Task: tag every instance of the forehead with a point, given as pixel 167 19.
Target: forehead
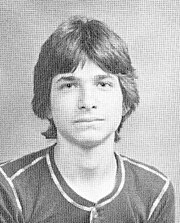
pixel 88 70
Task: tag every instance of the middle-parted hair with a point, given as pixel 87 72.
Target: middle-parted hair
pixel 72 43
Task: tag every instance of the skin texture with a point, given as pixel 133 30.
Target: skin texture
pixel 86 97
pixel 84 153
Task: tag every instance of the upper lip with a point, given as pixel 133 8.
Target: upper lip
pixel 89 119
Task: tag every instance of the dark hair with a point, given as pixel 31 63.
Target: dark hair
pixel 75 41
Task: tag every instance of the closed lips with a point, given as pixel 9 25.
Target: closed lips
pixel 88 120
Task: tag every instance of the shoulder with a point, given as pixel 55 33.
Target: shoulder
pixel 149 184
pixel 13 168
pixel 143 173
pixel 22 175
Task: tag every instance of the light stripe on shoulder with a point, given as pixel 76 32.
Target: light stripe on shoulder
pixel 156 202
pixel 4 163
pixel 10 179
pixel 146 168
pixel 164 189
pixel 8 161
pixel 26 167
pixel 13 188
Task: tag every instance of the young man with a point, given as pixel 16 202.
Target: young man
pixel 84 84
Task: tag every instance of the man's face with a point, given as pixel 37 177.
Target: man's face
pixel 86 105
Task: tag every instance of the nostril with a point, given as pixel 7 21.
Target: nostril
pixel 88 107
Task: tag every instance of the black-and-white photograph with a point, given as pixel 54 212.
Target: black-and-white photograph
pixel 89 111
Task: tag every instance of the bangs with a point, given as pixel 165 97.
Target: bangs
pixel 88 41
pixel 72 44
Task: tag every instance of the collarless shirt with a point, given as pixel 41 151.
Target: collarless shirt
pixel 33 190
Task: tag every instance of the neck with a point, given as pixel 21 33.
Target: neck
pixel 90 165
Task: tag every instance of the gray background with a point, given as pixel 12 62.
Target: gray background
pixel 152 31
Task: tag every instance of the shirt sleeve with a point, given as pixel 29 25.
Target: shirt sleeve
pixel 9 212
pixel 165 209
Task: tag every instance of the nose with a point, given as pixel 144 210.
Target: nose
pixel 87 99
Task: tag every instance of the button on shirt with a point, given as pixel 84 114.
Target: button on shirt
pixel 33 190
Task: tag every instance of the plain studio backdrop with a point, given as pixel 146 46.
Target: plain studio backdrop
pixel 152 32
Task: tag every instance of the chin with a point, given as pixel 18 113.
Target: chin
pixel 87 139
pixel 90 141
pixel 88 144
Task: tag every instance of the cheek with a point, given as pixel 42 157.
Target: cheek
pixel 115 111
pixel 114 108
pixel 61 108
pixel 114 102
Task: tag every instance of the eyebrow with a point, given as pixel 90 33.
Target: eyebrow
pixel 73 78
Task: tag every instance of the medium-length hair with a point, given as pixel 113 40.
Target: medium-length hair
pixel 71 44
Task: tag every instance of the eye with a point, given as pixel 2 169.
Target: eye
pixel 105 84
pixel 67 86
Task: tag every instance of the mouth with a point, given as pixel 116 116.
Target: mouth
pixel 88 120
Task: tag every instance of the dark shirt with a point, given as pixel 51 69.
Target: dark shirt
pixel 33 190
